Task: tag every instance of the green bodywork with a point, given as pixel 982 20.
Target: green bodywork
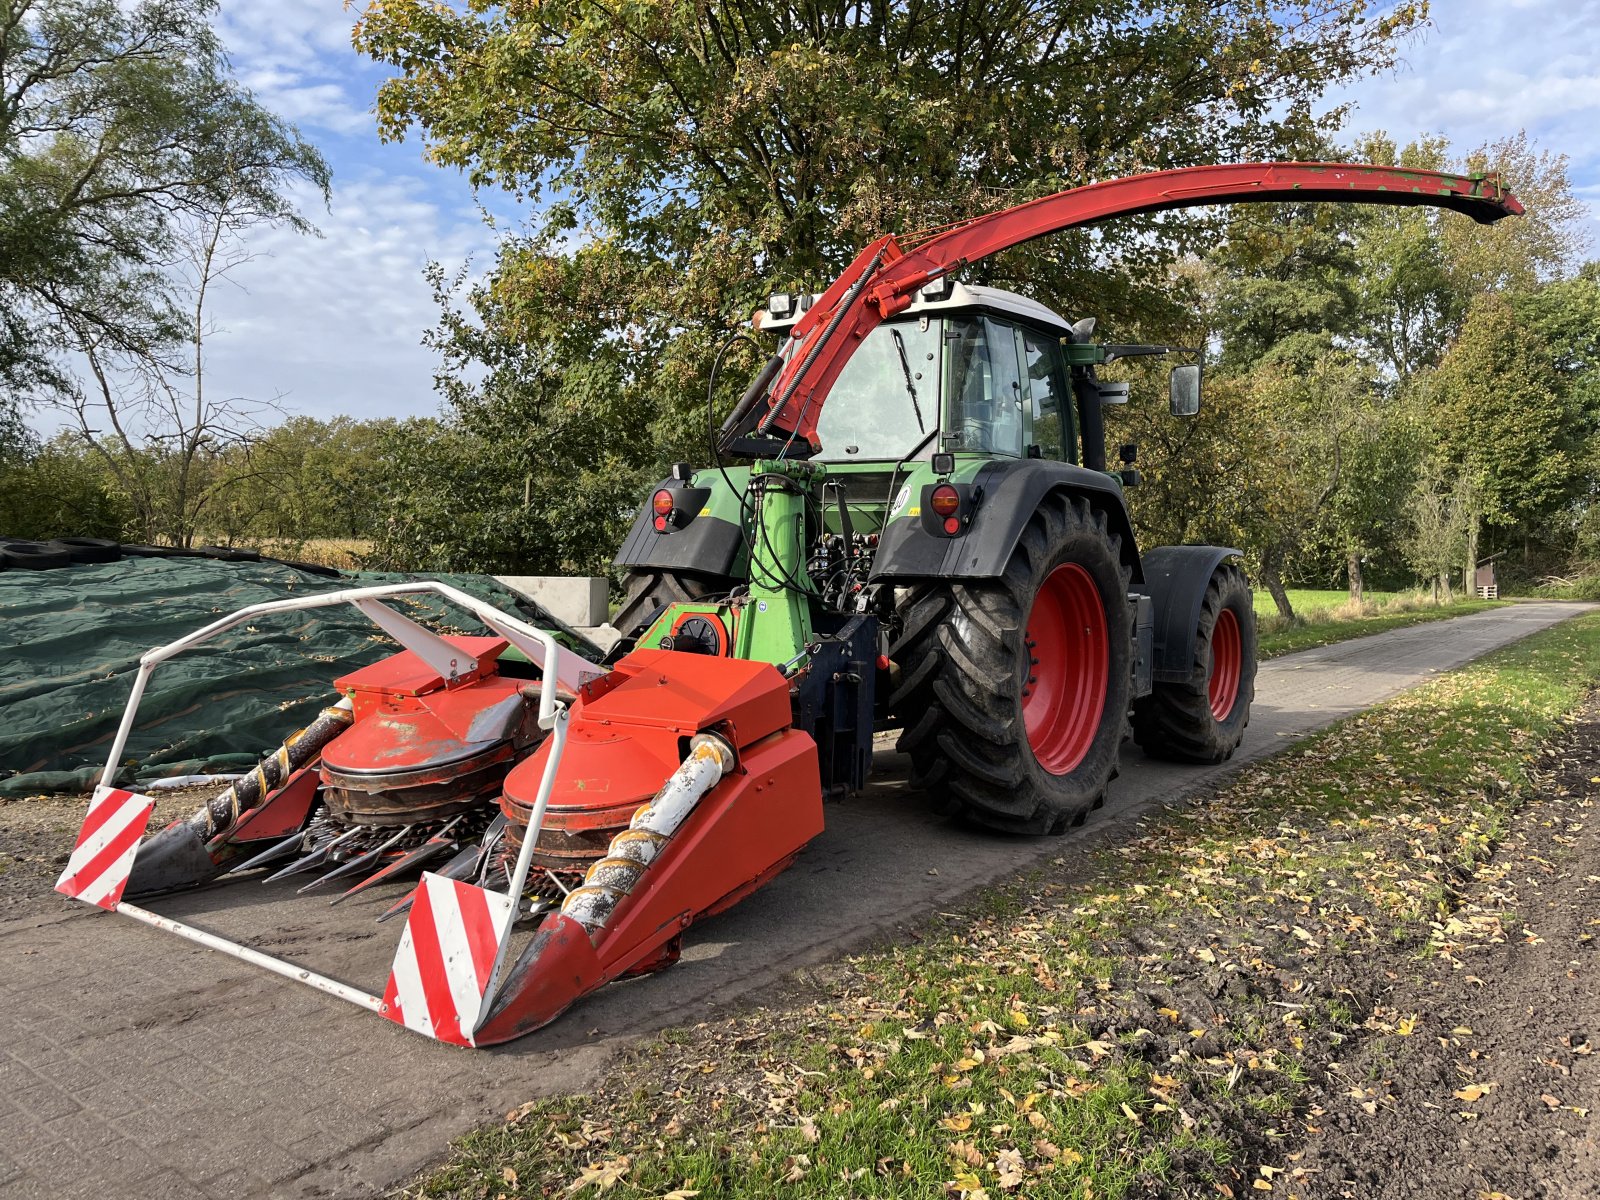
pixel 975 385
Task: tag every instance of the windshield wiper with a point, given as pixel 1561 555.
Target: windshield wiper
pixel 905 367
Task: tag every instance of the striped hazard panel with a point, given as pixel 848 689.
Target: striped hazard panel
pixel 97 870
pixel 447 957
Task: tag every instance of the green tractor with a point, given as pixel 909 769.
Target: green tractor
pixel 955 560
pixel 927 536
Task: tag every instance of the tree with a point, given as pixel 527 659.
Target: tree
pixel 58 489
pixel 536 466
pixel 682 159
pixel 168 435
pixel 1503 415
pixel 1423 267
pixel 120 129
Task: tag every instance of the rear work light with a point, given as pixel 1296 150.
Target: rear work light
pixel 945 500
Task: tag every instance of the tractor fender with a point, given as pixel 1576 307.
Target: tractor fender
pixel 1175 579
pixel 1009 492
pixel 706 545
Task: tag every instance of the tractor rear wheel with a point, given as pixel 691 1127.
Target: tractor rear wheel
pixel 644 593
pixel 1014 691
pixel 1202 719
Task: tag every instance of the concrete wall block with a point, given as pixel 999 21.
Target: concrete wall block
pixel 575 599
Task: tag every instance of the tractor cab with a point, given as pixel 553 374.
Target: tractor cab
pixel 964 369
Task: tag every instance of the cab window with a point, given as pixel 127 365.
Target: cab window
pixel 1045 384
pixel 886 398
pixel 983 386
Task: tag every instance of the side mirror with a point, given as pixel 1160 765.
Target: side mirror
pixel 1184 388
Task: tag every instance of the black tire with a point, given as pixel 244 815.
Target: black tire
pixel 646 592
pixel 308 568
pixel 136 550
pixel 91 550
pixel 227 553
pixel 36 556
pixel 964 655
pixel 1181 721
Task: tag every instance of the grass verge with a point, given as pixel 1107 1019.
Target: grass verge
pixel 1156 1022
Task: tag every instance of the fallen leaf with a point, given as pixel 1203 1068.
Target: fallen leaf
pixel 966 1181
pixel 509 1174
pixel 966 1152
pixel 682 1193
pixel 604 1175
pixel 808 1129
pixel 1550 1101
pixel 1473 1091
pixel 1008 1166
pixel 959 1123
pixel 1046 1149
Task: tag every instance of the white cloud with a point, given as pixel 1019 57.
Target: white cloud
pixel 1486 69
pixel 335 323
pixel 295 55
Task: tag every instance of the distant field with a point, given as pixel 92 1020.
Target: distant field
pixel 1307 601
pixel 343 554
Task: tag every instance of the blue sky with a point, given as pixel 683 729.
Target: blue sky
pixel 334 323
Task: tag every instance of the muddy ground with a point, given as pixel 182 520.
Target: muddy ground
pixel 1496 1093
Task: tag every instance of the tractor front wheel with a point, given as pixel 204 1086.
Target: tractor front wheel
pixel 1014 691
pixel 1202 719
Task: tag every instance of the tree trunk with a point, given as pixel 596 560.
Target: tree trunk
pixel 1272 580
pixel 1469 581
pixel 1357 584
pixel 1444 583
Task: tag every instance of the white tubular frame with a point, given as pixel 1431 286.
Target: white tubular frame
pixel 570 670
pixel 562 667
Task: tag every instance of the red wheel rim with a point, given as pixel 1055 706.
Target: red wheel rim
pixel 1065 692
pixel 1227 657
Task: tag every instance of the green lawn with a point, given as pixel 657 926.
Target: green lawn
pixel 1308 602
pixel 1324 617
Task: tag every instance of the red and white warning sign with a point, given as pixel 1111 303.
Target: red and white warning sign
pixel 442 971
pixel 98 868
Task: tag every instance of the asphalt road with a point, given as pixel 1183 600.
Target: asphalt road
pixel 133 1063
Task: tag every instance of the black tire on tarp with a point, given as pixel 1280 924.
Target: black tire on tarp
pixel 138 550
pixel 308 568
pixel 966 681
pixel 1202 719
pixel 92 550
pixel 36 556
pixel 227 553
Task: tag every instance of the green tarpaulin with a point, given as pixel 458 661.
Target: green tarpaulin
pixel 70 641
